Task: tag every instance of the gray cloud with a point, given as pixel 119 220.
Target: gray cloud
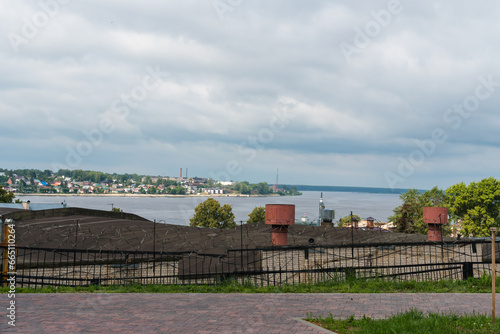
pixel 351 122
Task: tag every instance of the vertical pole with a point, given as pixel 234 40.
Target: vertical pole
pixel 493 272
pixel 241 244
pixel 154 235
pixel 154 248
pixel 352 239
pixel 74 248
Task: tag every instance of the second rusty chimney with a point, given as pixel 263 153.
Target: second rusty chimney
pixel 280 216
pixel 435 218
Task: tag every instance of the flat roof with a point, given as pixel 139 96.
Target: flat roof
pixel 76 228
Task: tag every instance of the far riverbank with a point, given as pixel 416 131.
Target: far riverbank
pixel 178 209
pixel 148 195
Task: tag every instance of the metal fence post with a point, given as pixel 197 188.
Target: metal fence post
pixel 467 270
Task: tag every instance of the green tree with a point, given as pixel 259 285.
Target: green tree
pixel 22 185
pixel 6 196
pixel 408 217
pixel 347 220
pixel 178 191
pixel 115 209
pixel 258 215
pixel 288 191
pixel 243 187
pixel 476 205
pixel 210 213
pixel 160 181
pixel 262 188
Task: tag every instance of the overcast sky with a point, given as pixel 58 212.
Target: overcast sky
pixel 356 93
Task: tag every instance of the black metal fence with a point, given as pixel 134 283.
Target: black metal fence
pixel 38 267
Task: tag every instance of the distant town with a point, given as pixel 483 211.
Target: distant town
pixel 74 182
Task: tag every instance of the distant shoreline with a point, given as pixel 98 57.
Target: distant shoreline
pixel 369 190
pixel 147 195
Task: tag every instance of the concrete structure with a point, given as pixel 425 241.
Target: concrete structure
pixel 280 216
pixel 435 218
pixel 33 206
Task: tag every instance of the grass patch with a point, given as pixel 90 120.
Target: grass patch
pixel 472 285
pixel 413 321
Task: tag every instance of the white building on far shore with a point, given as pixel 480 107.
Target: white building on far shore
pixel 226 183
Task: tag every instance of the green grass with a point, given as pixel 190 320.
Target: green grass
pixel 413 321
pixel 472 285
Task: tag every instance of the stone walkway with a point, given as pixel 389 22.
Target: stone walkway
pixel 214 313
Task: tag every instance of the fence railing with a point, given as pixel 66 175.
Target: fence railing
pixel 38 267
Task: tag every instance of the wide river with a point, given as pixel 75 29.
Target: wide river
pixel 178 210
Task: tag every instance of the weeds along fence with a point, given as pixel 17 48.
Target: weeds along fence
pixel 271 266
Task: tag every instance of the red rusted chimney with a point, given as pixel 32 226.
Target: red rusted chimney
pixel 435 218
pixel 280 216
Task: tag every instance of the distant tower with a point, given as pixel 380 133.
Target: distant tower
pixel 321 209
pixel 180 177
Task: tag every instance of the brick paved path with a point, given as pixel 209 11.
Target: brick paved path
pixel 214 313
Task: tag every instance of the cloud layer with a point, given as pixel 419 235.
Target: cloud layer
pixel 372 93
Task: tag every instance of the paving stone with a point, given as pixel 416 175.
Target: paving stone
pixel 216 313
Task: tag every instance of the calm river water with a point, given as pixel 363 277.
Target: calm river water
pixel 178 210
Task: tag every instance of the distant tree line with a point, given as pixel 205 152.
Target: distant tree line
pixel 246 188
pixel 288 191
pixel 262 188
pixel 98 177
